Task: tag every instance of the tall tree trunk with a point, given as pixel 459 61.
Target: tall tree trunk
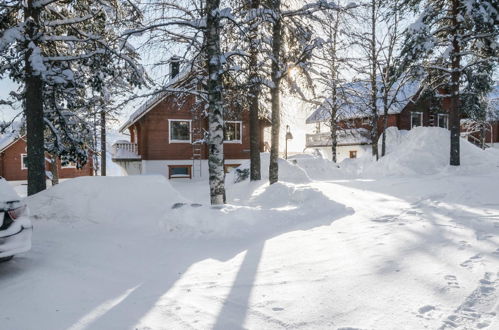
pixel 334 139
pixel 54 169
pixel 95 155
pixel 374 86
pixel 385 126
pixel 34 107
pixel 334 74
pixel 454 113
pixel 255 167
pixel 215 104
pixel 275 93
pixel 103 146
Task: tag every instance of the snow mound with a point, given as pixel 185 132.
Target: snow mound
pixel 269 210
pixel 423 151
pixel 124 200
pixel 316 167
pixel 394 137
pixel 288 171
pixel 149 204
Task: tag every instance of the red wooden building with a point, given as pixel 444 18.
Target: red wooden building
pixel 13 165
pixel 167 137
pixel 409 112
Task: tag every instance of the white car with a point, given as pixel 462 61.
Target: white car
pixel 15 226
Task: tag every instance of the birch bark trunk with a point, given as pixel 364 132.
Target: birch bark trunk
pixel 215 104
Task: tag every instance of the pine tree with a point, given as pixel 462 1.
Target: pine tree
pixel 455 43
pixel 49 52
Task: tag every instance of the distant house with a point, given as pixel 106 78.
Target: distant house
pixel 13 161
pixel 409 111
pixel 167 137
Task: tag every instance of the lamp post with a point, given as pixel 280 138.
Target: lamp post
pixel 289 136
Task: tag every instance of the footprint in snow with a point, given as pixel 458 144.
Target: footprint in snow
pixel 385 218
pixel 463 245
pixel 451 281
pixel 478 310
pixel 426 309
pixel 277 309
pixel 472 261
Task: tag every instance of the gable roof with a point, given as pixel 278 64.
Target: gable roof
pixel 152 101
pixel 11 136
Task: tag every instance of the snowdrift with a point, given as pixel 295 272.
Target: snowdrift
pixel 288 171
pixel 422 151
pixel 123 200
pixel 150 203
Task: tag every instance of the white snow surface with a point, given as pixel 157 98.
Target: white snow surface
pixel 422 151
pixel 328 247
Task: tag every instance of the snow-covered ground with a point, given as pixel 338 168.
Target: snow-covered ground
pixel 326 248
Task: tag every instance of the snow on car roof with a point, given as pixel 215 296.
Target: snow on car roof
pixel 7 193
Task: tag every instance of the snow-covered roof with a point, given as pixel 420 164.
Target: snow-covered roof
pixel 357 108
pixel 153 100
pixel 10 136
pixel 355 104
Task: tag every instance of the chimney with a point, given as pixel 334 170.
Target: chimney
pixel 174 66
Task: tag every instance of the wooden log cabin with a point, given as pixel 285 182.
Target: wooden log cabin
pixel 167 137
pixel 13 161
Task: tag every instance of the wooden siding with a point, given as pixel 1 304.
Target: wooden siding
pixel 153 133
pixel 10 165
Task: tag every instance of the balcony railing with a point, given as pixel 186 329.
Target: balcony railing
pixel 318 140
pixel 125 150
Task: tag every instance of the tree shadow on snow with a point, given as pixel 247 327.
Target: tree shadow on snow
pixel 115 284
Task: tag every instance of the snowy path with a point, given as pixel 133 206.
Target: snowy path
pixel 411 253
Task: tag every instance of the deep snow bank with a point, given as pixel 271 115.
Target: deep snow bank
pixel 105 200
pixel 266 210
pixel 316 167
pixel 147 203
pixel 288 171
pixel 422 151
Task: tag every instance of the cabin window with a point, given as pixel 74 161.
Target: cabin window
pixel 366 121
pixel 24 161
pixel 179 171
pixel 180 131
pixel 232 131
pixel 353 153
pixel 443 120
pixel 416 119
